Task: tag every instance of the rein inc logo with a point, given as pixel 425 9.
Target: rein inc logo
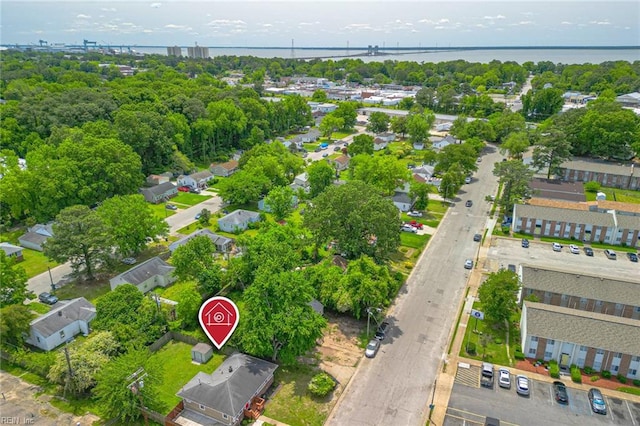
pixel 219 318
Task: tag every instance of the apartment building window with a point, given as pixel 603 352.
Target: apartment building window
pixel 614 368
pixel 635 359
pixel 618 355
pixel 583 348
pixel 62 334
pixel 551 342
pixel 583 303
pixel 547 355
pixel 633 372
pixel 599 351
pixel 534 338
pixel 532 351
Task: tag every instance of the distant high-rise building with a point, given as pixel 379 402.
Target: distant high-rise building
pixel 198 52
pixel 174 51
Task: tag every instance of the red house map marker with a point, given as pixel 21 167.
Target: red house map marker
pixel 219 317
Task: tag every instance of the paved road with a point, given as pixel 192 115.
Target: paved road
pixel 396 387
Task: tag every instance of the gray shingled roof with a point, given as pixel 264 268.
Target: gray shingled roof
pixel 200 232
pixel 200 175
pixel 626 221
pixel 597 166
pixel 564 215
pixel 161 189
pixel 10 249
pixel 62 314
pixel 608 332
pixel 401 197
pixel 142 272
pixel 231 386
pixel 238 217
pixel 33 238
pixel 579 284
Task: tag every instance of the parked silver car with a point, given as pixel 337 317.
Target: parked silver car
pixel 522 385
pixel 504 378
pixel 372 348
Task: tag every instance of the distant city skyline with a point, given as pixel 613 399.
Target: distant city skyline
pixel 309 23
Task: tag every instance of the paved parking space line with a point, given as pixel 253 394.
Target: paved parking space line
pixel 630 413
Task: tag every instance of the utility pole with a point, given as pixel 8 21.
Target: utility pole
pixel 136 388
pixel 53 286
pixel 70 375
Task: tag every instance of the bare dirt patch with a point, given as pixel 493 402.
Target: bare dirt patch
pixel 340 351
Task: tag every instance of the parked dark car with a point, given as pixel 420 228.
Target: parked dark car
pixel 469 203
pixel 588 251
pixel 477 237
pixel 632 257
pixel 382 330
pixel 170 207
pixel 560 393
pixel 525 243
pixel 47 298
pixel 597 401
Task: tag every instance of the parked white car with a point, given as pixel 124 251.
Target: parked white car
pixel 408 228
pixel 504 378
pixel 556 247
pixel 574 249
pixel 414 213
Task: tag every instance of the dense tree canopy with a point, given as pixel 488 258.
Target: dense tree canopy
pixel 498 295
pixel 13 282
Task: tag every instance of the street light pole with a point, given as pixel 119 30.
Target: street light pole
pixel 53 286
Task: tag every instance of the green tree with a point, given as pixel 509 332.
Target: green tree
pixel 319 96
pixel 399 125
pixel 514 177
pixel 418 126
pixel 462 154
pixel 449 185
pixel 515 144
pixel 320 175
pixel 358 218
pixel 504 123
pixel 420 192
pixel 378 122
pixel 542 103
pixel 280 323
pixel 189 302
pixel 553 150
pixel 348 112
pixel 280 202
pixel 362 144
pixel 330 124
pixel 380 171
pixel 194 261
pixel 130 220
pixel 243 187
pixel 610 131
pixel 205 217
pixel 13 282
pixel 80 237
pixel 14 323
pixel 498 295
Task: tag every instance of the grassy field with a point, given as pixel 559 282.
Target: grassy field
pixel 189 199
pixel 35 262
pixel 161 211
pixel 615 194
pixel 293 404
pixel 89 290
pixel 415 241
pixel 177 369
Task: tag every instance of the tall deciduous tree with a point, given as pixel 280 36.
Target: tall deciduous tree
pixel 498 295
pixel 463 154
pixel 383 172
pixel 14 323
pixel 553 150
pixel 243 187
pixel 280 201
pixel 418 126
pixel 515 144
pixel 362 144
pixel 348 112
pixel 378 122
pixel 80 237
pixel 130 220
pixel 13 282
pixel 194 261
pixel 358 218
pixel 399 125
pixel 330 124
pixel 420 192
pixel 280 323
pixel 321 175
pixel 514 177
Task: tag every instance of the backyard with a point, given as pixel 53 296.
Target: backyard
pixel 616 194
pixel 189 199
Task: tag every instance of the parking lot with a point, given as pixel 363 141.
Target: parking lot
pixel 505 251
pixel 470 405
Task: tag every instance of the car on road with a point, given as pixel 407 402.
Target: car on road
pixel 198 216
pixel 372 348
pixel 632 257
pixel 588 251
pixel 477 237
pixel 468 264
pixel 129 260
pixel 522 385
pixel 556 247
pixel 469 203
pixel 414 213
pixel 381 332
pixel 560 392
pixel 345 144
pixel 47 298
pixel 170 207
pixel 325 155
pixel 184 188
pixel 467 179
pixel 597 401
pixel 574 249
pixel 336 148
pixel 504 378
pixel 610 254
pixel 408 228
pixel 525 243
pixel 194 190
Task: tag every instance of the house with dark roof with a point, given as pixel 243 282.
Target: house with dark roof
pixel 585 225
pixel 223 244
pixel 12 252
pixel 159 193
pixel 379 144
pixel 66 319
pixel 587 339
pixel 402 201
pixel 146 276
pixel 157 179
pixel 238 220
pixel 228 395
pixel 611 174
pixel 36 236
pixel 224 169
pixel 629 100
pixel 198 180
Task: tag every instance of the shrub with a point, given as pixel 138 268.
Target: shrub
pixel 595 378
pixel 636 382
pixel 518 355
pixel 621 379
pixel 588 370
pixel 554 370
pixel 321 385
pixel 576 375
pixel 471 348
pixel 606 374
pixel 591 186
pixel 497 341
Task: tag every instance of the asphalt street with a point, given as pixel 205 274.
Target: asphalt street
pixel 397 386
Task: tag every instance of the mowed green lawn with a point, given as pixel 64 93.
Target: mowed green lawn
pixel 161 211
pixel 189 199
pixel 615 194
pixel 177 369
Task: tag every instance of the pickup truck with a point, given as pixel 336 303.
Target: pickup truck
pixel 486 379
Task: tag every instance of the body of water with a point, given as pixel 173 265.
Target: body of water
pixel 565 56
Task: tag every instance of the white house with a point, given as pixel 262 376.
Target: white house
pixel 402 201
pixel 301 182
pixel 386 136
pixel 66 319
pixel 195 180
pixel 36 236
pixel 379 144
pixel 446 141
pixel 238 220
pixel 12 251
pixel 224 169
pixel 146 276
pixel 223 244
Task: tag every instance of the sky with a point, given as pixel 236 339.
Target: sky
pixel 260 23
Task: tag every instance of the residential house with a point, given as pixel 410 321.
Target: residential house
pixel 418 146
pixel 301 182
pixel 605 173
pixel 629 100
pixel 226 396
pixel 146 276
pixel 402 201
pixel 424 174
pixel 159 193
pixel 265 207
pixel 444 127
pixel 224 169
pixel 390 112
pixel 157 179
pixel 238 220
pixel 607 227
pixel 341 163
pixel 12 252
pixel 223 244
pixel 587 339
pixel 36 236
pixel 198 180
pixel 66 319
pixel 446 141
pixel 379 144
pixel 387 136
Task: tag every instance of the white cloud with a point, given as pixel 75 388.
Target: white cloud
pixel 174 26
pixel 147 31
pixel 522 23
pixel 566 23
pixel 358 27
pixel 605 22
pixel 492 18
pixel 226 22
pixel 156 5
pixel 267 25
pixel 82 16
pixel 108 9
pixel 443 21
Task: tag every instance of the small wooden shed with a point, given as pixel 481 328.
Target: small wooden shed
pixel 201 353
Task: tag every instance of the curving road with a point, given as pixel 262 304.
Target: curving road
pixel 396 387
